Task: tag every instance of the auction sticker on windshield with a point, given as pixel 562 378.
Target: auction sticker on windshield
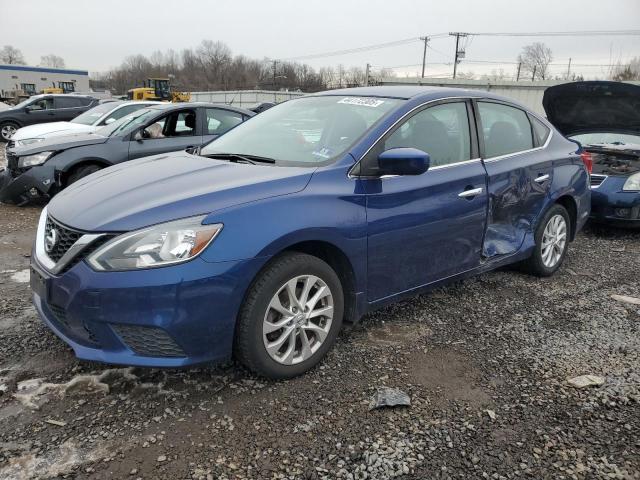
pixel 365 102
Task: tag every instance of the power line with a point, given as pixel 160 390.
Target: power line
pixel 576 33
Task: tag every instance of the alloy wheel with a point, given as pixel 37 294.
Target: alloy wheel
pixel 8 131
pixel 298 319
pixel 554 240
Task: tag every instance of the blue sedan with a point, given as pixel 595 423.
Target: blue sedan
pixel 603 117
pixel 311 214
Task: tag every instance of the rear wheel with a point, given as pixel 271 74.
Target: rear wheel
pixel 82 172
pixel 552 241
pixel 291 316
pixel 7 130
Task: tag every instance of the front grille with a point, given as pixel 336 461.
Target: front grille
pixel 81 332
pixel 596 180
pixel 65 238
pixel 12 161
pixel 60 314
pixel 88 250
pixel 148 341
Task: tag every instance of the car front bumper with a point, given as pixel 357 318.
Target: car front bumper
pixel 611 205
pixel 166 317
pixel 20 188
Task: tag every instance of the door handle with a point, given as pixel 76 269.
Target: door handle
pixel 542 178
pixel 470 193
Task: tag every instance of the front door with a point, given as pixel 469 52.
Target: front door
pixel 520 175
pixel 175 131
pixel 41 111
pixel 425 228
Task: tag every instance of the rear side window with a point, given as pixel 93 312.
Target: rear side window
pixel 540 130
pixel 43 104
pixel 442 131
pixel 69 102
pixel 220 121
pixel 505 129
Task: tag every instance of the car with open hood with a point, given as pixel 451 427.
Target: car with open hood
pixel 314 212
pixel 42 169
pixel 87 122
pixel 604 118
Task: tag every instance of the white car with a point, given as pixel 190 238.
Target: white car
pixel 89 121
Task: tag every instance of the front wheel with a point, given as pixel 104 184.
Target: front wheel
pixel 552 241
pixel 291 316
pixel 7 130
pixel 82 171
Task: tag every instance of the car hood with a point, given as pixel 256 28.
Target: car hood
pixel 60 142
pixel 589 107
pixel 168 187
pixel 48 129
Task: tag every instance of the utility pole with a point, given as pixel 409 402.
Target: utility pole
pixel 366 75
pixel 459 53
pixel 569 69
pixel 518 74
pixel 425 39
pixel 533 76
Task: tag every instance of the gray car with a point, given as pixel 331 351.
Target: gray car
pixel 41 170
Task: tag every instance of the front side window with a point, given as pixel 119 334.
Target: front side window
pixel 43 104
pixel 308 131
pixel 442 131
pixel 221 121
pixel 505 129
pixel 176 124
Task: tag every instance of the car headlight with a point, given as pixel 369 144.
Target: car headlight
pixel 632 184
pixel 34 160
pixel 157 246
pixel 27 141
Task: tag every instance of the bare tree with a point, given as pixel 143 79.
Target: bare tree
pixel 535 60
pixel 628 72
pixel 10 55
pixel 51 60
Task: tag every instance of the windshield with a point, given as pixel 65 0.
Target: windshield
pixel 307 132
pixel 605 137
pixel 91 117
pixel 128 123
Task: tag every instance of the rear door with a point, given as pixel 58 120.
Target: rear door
pixel 69 107
pixel 427 227
pixel 218 121
pixel 177 130
pixel 519 174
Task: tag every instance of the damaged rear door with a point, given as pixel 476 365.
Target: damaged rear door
pixel 519 174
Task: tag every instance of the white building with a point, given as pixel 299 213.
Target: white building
pixel 32 80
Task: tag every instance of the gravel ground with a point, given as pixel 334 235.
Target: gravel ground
pixel 484 361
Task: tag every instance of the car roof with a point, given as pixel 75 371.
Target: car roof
pixel 407 92
pixel 177 106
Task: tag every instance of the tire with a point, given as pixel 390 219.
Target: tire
pixel 82 172
pixel 259 323
pixel 542 263
pixel 7 129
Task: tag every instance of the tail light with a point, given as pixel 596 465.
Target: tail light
pixel 587 159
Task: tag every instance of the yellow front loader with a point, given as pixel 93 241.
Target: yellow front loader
pixel 157 89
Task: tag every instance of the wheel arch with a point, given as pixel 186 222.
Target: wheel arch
pixel 68 170
pixel 571 206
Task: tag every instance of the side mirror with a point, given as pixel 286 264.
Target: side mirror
pixel 30 108
pixel 403 161
pixel 141 135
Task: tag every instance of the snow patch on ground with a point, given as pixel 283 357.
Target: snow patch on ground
pixel 21 277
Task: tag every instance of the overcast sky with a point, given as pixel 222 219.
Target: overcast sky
pixel 97 35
